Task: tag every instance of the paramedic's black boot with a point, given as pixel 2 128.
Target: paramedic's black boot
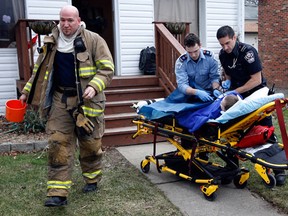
pixel 89 188
pixel 56 201
pixel 280 177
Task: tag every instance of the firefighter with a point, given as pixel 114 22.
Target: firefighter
pixel 67 84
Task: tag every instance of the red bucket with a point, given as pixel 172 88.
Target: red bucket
pixel 15 110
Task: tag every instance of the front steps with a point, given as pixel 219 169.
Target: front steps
pixel 121 94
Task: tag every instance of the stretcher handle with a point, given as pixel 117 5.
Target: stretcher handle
pixel 281 122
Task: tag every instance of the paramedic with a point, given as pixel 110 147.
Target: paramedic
pixel 243 72
pixel 74 109
pixel 197 71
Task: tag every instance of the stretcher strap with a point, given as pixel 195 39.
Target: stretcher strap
pixel 282 125
pixel 154 147
pixel 194 145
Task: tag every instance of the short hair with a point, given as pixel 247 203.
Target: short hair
pixel 191 39
pixel 230 101
pixel 225 31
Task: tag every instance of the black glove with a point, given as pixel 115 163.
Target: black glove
pixel 84 124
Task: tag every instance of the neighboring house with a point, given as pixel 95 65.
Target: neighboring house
pixel 251 24
pixel 127 26
pixel 273 46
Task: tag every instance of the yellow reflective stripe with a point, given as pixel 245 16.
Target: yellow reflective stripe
pixel 87 71
pixel 59 184
pixel 36 66
pixel 103 64
pixel 93 174
pixel 99 83
pixel 92 112
pixel 46 75
pixel 27 87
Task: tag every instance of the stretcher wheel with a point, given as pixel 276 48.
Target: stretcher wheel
pixel 145 166
pixel 237 182
pixel 272 181
pixel 212 196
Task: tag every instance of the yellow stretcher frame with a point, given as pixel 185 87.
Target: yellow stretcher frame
pixel 225 141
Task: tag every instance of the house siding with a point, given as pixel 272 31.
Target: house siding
pixel 216 13
pixel 8 76
pixel 136 31
pixel 44 9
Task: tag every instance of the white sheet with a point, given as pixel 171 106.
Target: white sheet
pixel 248 105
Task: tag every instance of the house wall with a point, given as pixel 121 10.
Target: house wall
pixel 44 9
pixel 273 37
pixel 134 31
pixel 8 75
pixel 215 13
pixel 9 72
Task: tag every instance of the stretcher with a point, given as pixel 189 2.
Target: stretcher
pixel 210 156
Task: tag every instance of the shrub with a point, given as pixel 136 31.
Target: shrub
pixel 32 123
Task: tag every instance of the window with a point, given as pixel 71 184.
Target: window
pixel 10 12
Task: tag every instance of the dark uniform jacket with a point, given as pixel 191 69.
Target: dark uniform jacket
pixel 240 65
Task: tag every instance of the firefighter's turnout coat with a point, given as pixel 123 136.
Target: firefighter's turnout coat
pixel 96 69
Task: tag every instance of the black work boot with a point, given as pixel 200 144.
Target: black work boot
pixel 90 187
pixel 56 201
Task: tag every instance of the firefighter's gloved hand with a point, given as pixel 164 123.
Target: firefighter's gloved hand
pixel 83 123
pixel 203 95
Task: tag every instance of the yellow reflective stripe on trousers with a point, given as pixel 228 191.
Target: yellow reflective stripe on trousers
pixel 27 87
pixel 46 75
pixel 92 112
pixel 93 174
pixel 99 83
pixel 87 71
pixel 105 64
pixel 36 66
pixel 59 184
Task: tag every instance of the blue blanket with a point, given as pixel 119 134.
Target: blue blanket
pixel 175 103
pixel 194 120
pixel 193 115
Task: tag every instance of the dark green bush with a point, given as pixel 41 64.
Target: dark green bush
pixel 32 123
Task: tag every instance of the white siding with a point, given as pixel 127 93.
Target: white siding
pixel 134 31
pixel 44 9
pixel 8 76
pixel 216 13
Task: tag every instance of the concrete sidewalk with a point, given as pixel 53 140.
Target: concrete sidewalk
pixel 188 196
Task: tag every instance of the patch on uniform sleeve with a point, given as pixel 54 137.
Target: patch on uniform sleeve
pixel 207 52
pixel 249 57
pixel 183 57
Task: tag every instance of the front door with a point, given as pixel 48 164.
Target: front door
pixel 98 17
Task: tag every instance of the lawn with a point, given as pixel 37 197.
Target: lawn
pixel 123 191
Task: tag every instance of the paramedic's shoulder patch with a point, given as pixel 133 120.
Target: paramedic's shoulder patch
pixel 208 53
pixel 249 57
pixel 183 57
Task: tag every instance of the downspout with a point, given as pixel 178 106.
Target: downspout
pixel 241 20
pixel 117 44
pixel 202 22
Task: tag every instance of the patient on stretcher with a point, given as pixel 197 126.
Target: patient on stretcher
pixel 228 101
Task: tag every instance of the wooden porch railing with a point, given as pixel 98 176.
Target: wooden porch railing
pixel 168 48
pixel 23 31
